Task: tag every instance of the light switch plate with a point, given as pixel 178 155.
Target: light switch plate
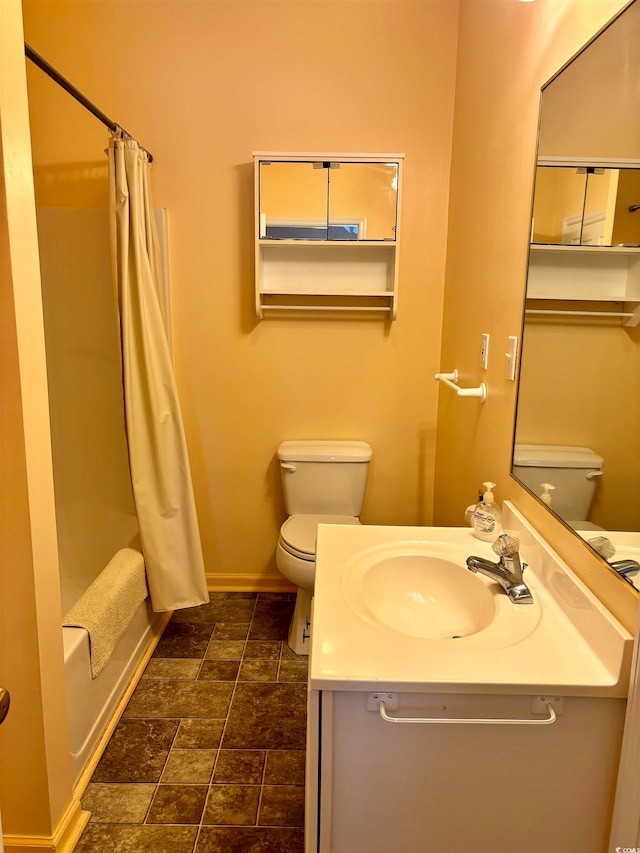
pixel 511 358
pixel 484 351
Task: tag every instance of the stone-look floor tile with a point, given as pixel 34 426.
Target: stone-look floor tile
pixel 172 668
pixel 136 751
pixel 225 650
pixel 242 766
pixel 189 765
pixel 293 670
pixel 230 631
pixel 262 650
pixel 218 670
pixel 289 654
pixel 117 803
pixel 178 804
pixel 258 670
pixel 100 838
pixel 213 839
pixel 199 734
pixel 231 595
pixel 235 805
pixel 183 640
pixel 281 805
pixel 180 699
pixel 225 610
pixel 266 716
pixel 285 767
pixel 271 620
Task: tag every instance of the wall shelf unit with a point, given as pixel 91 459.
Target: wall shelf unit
pixel 327 230
pixel 587 281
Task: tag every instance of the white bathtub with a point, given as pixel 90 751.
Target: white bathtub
pixel 91 702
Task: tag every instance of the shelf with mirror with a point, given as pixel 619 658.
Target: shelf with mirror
pixel 327 234
pixel 585 247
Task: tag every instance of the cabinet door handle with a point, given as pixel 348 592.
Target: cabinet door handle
pixel 470 721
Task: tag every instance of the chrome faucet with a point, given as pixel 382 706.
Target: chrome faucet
pixel 626 568
pixel 507 571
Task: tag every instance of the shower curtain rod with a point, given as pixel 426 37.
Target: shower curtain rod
pixel 50 71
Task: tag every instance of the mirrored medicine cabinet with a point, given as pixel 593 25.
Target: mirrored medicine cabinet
pixel 579 383
pixel 327 229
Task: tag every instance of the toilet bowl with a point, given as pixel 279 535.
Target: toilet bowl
pixel 296 560
pixel 323 483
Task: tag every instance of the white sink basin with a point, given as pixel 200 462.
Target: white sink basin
pixel 418 590
pixel 398 606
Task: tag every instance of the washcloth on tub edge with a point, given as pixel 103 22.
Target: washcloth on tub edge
pixel 107 607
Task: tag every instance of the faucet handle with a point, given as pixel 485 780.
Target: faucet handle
pixel 506 546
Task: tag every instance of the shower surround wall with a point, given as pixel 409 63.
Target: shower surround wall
pixel 94 502
pixel 95 513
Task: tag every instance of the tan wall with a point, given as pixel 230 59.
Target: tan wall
pixel 215 82
pixel 495 123
pixel 35 779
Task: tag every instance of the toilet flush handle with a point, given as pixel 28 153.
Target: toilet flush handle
pixel 593 474
pixel 287 466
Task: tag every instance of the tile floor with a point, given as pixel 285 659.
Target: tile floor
pixel 208 756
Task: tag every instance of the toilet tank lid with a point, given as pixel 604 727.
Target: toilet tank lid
pixel 324 451
pixel 555 456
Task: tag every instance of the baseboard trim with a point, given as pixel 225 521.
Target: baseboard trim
pixel 221 582
pixel 63 840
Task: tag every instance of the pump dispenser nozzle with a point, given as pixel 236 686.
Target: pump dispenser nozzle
pixel 545 497
pixel 488 495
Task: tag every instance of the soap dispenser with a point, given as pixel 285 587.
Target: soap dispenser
pixel 487 516
pixel 545 497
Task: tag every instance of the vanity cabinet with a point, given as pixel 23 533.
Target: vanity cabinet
pixel 381 787
pixel 493 736
pixel 327 229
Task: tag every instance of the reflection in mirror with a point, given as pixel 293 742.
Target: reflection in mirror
pixel 328 200
pixel 578 205
pixel 293 201
pixel 577 435
pixel 366 193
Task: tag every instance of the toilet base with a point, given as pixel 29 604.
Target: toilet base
pixel 300 629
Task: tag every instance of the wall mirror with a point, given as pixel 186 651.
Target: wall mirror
pixel 577 432
pixel 322 200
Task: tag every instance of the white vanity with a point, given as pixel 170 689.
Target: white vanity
pixel 442 716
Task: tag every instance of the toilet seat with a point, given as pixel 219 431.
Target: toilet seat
pixel 298 533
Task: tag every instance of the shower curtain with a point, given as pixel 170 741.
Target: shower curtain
pixel 158 458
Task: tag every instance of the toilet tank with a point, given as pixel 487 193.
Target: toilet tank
pixel 574 471
pixel 324 477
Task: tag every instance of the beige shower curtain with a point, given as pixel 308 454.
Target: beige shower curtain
pixel 158 458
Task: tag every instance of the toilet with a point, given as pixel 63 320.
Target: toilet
pixel 572 471
pixel 323 482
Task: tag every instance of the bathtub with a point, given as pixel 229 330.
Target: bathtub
pixel 92 702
